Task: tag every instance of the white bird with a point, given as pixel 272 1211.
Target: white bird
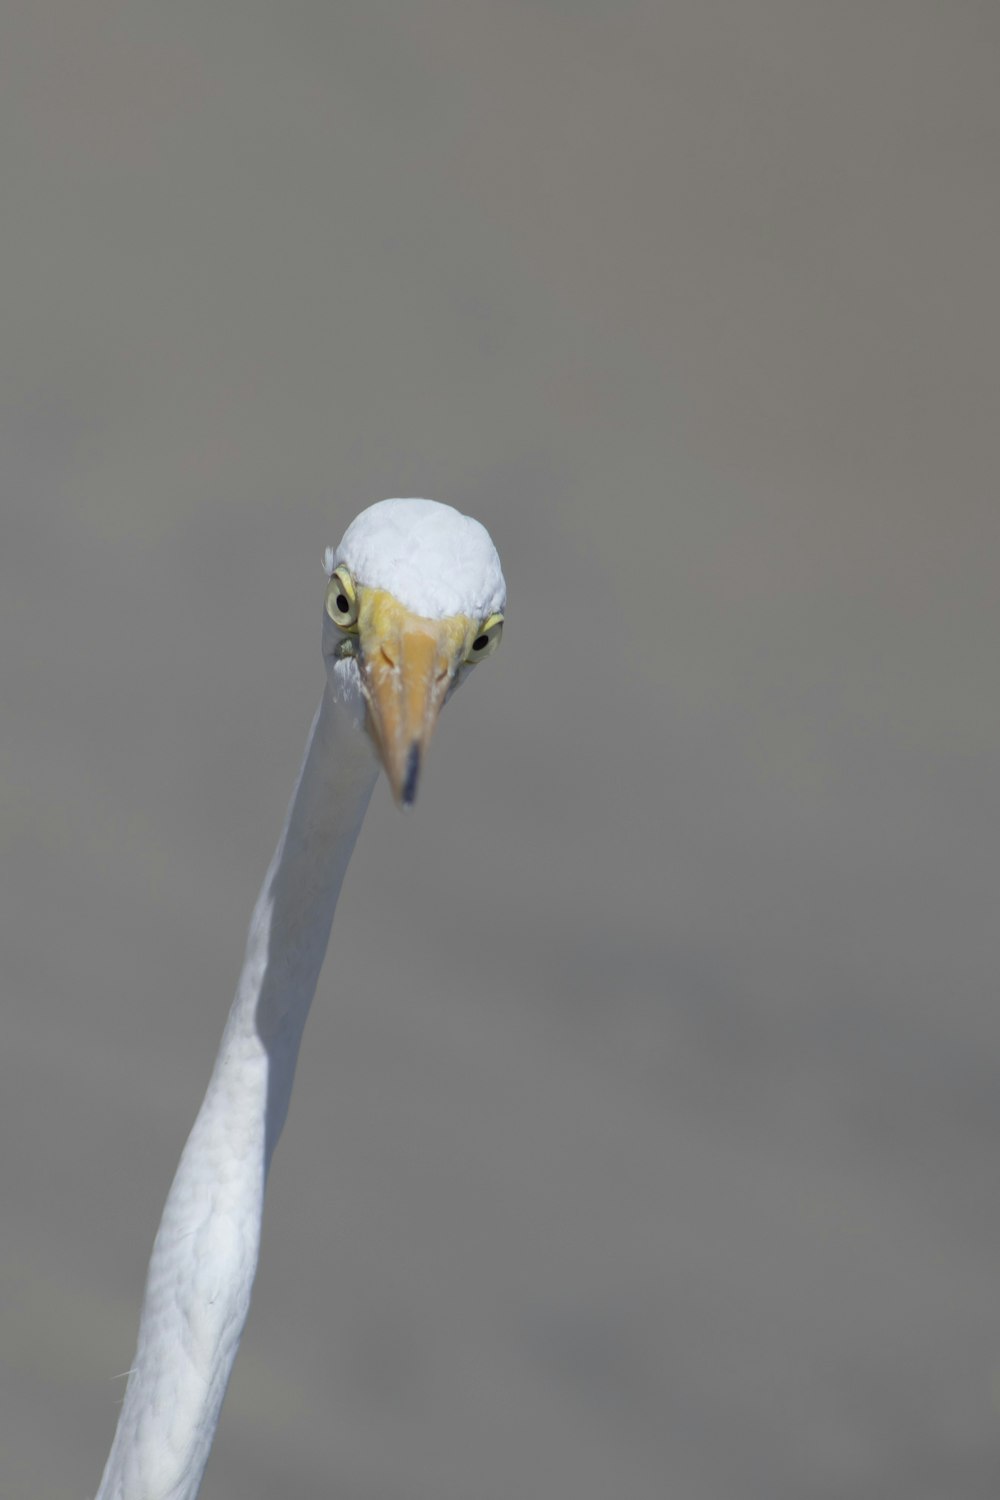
pixel 415 598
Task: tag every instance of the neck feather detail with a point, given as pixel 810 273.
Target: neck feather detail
pixel 205 1254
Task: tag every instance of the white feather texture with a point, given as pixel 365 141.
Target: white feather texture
pixel 429 556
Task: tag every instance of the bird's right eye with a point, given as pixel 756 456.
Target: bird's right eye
pixel 342 600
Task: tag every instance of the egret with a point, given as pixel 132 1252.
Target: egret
pixel 415 599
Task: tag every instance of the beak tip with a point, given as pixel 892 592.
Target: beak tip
pixel 408 792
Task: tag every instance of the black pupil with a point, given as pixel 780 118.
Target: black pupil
pixel 480 642
pixel 343 603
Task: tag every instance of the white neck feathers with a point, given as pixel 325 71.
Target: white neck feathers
pixel 205 1255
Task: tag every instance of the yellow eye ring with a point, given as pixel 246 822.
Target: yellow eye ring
pixel 486 640
pixel 342 600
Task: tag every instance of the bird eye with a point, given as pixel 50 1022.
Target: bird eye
pixel 342 600
pixel 487 639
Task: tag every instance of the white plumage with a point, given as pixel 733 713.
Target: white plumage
pixel 424 588
pixel 428 556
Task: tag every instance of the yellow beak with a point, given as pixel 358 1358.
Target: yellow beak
pixel 407 666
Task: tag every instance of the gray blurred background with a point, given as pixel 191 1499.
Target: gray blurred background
pixel 645 1135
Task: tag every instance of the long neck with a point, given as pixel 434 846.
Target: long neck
pixel 205 1253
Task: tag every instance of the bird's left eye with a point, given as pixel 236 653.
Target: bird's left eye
pixel 487 639
pixel 342 600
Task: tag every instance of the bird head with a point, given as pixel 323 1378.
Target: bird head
pixel 415 599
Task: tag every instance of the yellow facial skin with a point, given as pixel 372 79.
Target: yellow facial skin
pixel 407 664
